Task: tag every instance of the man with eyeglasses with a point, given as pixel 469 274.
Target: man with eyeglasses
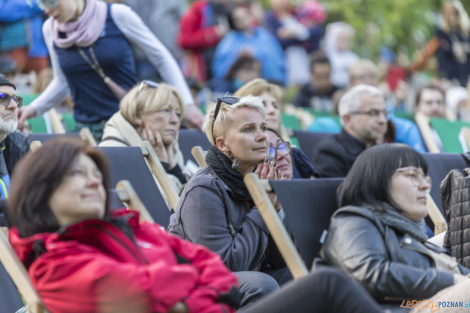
pixel 364 119
pixel 13 144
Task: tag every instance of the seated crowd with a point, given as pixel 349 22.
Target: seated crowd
pixel 218 253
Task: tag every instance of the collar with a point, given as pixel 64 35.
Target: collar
pixel 354 145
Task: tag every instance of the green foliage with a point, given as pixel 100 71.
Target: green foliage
pixel 402 25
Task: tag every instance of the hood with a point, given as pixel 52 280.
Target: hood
pixel 25 248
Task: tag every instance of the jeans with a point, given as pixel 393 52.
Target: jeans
pixel 326 290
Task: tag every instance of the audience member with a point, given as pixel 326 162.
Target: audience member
pixel 296 38
pixel 272 97
pixel 364 120
pixel 245 37
pixel 319 93
pixel 203 25
pixel 89 44
pixel 216 209
pixel 339 38
pixel 152 112
pixel 378 236
pixel 430 102
pixel 14 145
pixel 457 103
pixel 21 37
pixel 82 257
pixel 244 69
pixel 280 151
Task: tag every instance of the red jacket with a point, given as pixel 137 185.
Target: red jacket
pixel 194 34
pixel 93 266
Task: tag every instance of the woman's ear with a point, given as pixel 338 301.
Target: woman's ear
pixel 221 144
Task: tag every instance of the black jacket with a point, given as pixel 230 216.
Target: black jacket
pixel 456 205
pixel 386 261
pixel 336 154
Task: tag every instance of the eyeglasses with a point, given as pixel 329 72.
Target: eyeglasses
pixel 48 4
pixel 6 98
pixel 148 83
pixel 227 99
pixel 416 175
pixel 283 147
pixel 372 113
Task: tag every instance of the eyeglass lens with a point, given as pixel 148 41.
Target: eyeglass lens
pixel 6 98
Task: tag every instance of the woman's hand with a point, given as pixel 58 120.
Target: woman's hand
pixel 156 141
pixel 267 170
pixel 24 114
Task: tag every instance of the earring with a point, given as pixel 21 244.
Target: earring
pixel 234 161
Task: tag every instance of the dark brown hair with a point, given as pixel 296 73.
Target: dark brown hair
pixel 429 87
pixel 38 175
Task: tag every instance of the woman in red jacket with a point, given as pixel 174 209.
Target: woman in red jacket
pixel 82 257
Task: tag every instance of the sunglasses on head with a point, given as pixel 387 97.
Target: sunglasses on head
pixel 148 83
pixel 6 98
pixel 48 4
pixel 227 99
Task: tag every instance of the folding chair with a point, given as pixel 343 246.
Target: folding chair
pixel 128 163
pixel 199 155
pixel 188 138
pixel 20 277
pixel 426 131
pixel 86 136
pixel 56 122
pixel 308 141
pixel 439 165
pixel 157 169
pixel 127 195
pixel 46 137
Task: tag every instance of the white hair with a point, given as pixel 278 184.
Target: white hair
pixel 351 100
pixel 223 121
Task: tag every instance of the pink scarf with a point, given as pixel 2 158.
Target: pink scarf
pixel 85 30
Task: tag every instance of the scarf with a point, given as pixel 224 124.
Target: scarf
pixel 391 217
pixel 85 30
pixel 222 166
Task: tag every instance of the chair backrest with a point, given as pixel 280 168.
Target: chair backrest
pixel 276 228
pixel 439 165
pixel 20 277
pixel 199 155
pixel 308 205
pixel 10 299
pixel 46 137
pixel 308 141
pixel 188 138
pixel 169 188
pixel 128 163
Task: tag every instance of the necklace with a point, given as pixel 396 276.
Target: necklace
pixel 94 64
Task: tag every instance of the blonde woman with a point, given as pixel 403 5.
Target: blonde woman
pixel 153 112
pixel 272 97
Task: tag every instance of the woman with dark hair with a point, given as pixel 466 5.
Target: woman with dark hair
pixel 378 236
pixel 82 257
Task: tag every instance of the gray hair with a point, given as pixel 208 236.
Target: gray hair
pixel 351 100
pixel 223 121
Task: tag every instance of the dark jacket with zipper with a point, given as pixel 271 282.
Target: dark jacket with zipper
pixel 208 214
pixel 95 266
pixel 388 263
pixel 456 204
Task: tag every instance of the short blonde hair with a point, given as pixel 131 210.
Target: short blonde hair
pixel 224 121
pixel 258 86
pixel 361 67
pixel 144 98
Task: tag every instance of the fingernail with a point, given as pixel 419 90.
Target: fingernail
pixel 266 161
pixel 274 163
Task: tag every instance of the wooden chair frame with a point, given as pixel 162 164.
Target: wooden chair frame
pixel 440 224
pixel 86 136
pixel 20 277
pixel 127 195
pixel 199 155
pixel 157 169
pixel 426 131
pixel 56 121
pixel 279 233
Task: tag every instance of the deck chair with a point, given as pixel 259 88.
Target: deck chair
pixel 10 299
pixel 188 138
pixel 86 136
pixel 308 141
pixel 426 131
pixel 46 137
pixel 157 169
pixel 127 195
pixel 308 205
pixel 56 122
pixel 199 155
pixel 128 163
pixel 20 277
